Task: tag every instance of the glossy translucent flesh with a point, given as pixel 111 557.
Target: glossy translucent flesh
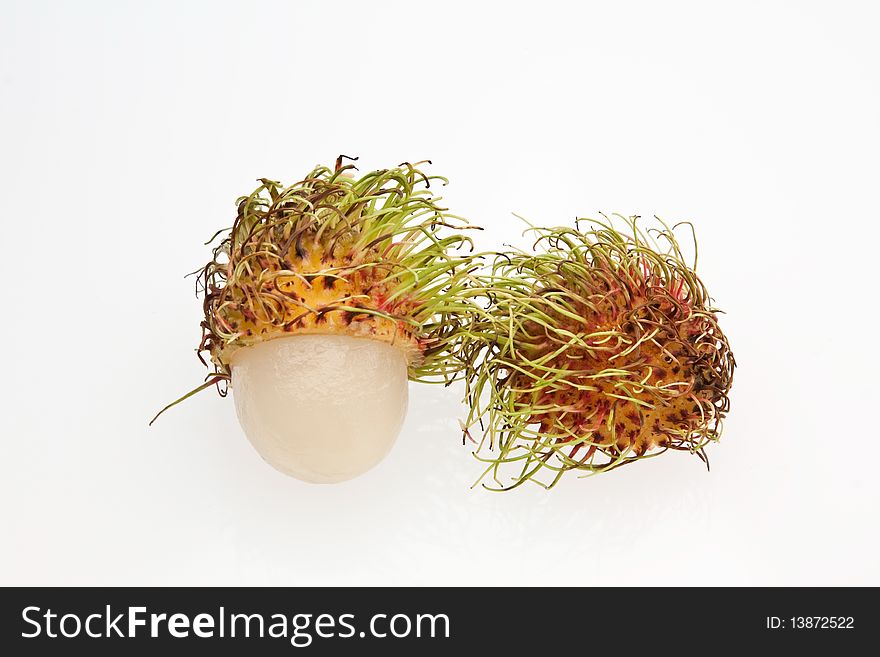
pixel 321 408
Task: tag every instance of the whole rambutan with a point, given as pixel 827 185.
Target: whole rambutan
pixel 597 349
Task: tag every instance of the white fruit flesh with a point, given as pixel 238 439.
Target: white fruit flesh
pixel 321 408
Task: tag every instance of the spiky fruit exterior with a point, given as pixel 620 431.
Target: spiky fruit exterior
pixel 373 257
pixel 606 350
pixel 319 289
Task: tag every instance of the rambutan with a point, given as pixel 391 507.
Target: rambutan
pixel 596 350
pixel 321 300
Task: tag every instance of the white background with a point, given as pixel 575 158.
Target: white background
pixel 128 130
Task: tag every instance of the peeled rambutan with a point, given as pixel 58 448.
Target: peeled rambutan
pixel 322 300
pixel 595 350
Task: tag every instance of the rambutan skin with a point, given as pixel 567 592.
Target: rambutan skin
pixel 597 350
pixel 373 257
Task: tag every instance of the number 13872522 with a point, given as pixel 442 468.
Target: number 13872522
pixel 810 623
